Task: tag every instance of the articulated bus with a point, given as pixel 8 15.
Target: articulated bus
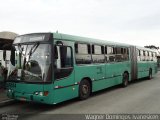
pixel 51 67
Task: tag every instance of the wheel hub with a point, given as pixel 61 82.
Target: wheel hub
pixel 85 89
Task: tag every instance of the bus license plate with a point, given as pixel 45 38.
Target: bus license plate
pixel 23 99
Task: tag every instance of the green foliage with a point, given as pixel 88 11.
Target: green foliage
pixel 152 47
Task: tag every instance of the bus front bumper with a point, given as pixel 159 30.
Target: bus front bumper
pixel 28 97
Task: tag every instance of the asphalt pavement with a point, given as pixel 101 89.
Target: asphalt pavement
pixel 4 100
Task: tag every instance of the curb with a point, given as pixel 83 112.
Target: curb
pixel 7 102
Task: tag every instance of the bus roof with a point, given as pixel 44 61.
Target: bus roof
pixel 86 39
pixel 91 40
pixel 67 37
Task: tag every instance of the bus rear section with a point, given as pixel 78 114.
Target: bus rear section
pixel 143 63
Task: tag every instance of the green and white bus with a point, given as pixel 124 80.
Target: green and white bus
pixel 51 67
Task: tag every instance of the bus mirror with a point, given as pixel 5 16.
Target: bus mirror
pixel 4 55
pixel 60 43
pixel 12 58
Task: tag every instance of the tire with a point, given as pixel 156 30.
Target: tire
pixel 150 74
pixel 84 89
pixel 125 80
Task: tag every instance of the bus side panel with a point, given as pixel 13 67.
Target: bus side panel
pixel 114 75
pixel 144 67
pixel 102 76
pixel 105 83
pixel 65 89
pixel 95 72
pixel 66 93
pixel 115 71
pixel 153 66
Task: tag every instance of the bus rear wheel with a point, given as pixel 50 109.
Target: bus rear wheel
pixel 125 80
pixel 84 89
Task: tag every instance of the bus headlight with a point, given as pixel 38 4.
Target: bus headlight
pixel 9 90
pixel 36 93
pixel 41 93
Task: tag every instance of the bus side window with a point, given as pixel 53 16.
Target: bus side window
pixel 98 54
pixel 139 55
pixel 139 52
pixel 119 52
pixel 142 56
pixel 109 56
pixel 63 61
pixel 82 53
pixel 66 57
pixel 63 57
pixel 151 56
pixel 154 57
pixel 125 54
pixel 146 53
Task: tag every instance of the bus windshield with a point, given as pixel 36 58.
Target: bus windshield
pixel 32 63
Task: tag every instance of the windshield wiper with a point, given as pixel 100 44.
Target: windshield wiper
pixel 32 50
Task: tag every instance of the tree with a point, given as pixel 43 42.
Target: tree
pixel 152 47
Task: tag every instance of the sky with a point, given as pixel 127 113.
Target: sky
pixel 134 22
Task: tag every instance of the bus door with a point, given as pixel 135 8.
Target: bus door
pixel 63 74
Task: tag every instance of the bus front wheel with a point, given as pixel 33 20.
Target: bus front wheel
pixel 84 89
pixel 125 80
